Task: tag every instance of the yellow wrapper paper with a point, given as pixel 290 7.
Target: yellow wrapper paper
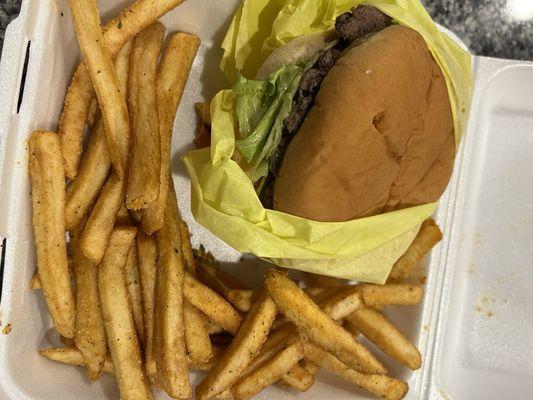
pixel 223 197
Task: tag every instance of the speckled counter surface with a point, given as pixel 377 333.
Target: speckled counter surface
pixel 497 28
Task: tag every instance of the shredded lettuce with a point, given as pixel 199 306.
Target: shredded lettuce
pixel 261 107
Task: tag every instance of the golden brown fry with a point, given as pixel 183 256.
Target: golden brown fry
pixel 173 73
pixel 133 283
pixel 95 164
pixel 147 254
pixel 35 283
pixel 196 336
pixel 352 329
pixel 143 176
pixel 190 263
pixel 310 366
pixel 103 75
pixel 242 300
pixel 324 280
pixel 169 336
pixel 343 303
pixel 281 363
pixel 211 304
pixel 299 378
pixel 379 385
pixel 203 110
pixel 101 222
pixel 242 350
pixel 48 205
pixel 217 279
pixel 318 326
pixel 90 330
pixel 428 236
pixel 117 313
pixel 73 356
pixel 376 328
pixel 211 327
pixel 397 294
pixel 117 32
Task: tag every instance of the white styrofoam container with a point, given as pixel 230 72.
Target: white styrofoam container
pixel 474 328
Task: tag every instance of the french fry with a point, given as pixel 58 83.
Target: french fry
pixel 216 279
pixel 343 303
pixel 95 164
pixel 133 283
pixel 323 280
pixel 242 300
pixel 318 326
pixel 80 93
pixel 103 75
pixel 73 356
pixel 240 353
pixel 123 216
pixel 310 366
pixel 147 254
pixel 212 327
pixel 299 378
pixel 90 336
pixel 188 255
pixel 397 294
pixel 35 283
pixel 428 236
pixel 211 304
pixel 196 336
pixel 117 313
pixel 169 340
pixel 270 372
pixel 143 176
pixel 48 206
pixel 173 73
pixel 101 222
pixel 379 385
pixel 376 328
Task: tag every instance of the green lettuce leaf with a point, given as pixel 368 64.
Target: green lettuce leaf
pixel 261 107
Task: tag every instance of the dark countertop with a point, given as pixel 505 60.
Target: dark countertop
pixel 496 28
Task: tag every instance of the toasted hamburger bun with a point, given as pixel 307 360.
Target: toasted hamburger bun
pixel 379 137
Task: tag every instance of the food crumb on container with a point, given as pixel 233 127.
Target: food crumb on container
pixel 7 329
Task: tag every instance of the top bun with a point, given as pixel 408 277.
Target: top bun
pixel 378 138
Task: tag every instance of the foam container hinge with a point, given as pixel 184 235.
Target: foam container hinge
pixel 474 327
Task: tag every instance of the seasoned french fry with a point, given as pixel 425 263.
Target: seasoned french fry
pixel 90 330
pixel 173 73
pixel 310 366
pixel 203 110
pixel 48 206
pixel 169 336
pixel 240 353
pixel 299 378
pixel 196 336
pixel 379 385
pixel 318 326
pixel 35 283
pixel 270 372
pixel 217 279
pixel 73 356
pixel 143 176
pixel 242 300
pixel 376 328
pixel 211 304
pixel 323 280
pixel 103 75
pixel 117 313
pixel 101 222
pixel 343 303
pixel 428 236
pixel 95 164
pixel 80 93
pixel 188 255
pixel 133 283
pixel 147 255
pixel 397 294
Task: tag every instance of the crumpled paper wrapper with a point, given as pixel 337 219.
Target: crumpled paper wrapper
pixel 223 197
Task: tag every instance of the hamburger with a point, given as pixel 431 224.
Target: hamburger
pixel 347 124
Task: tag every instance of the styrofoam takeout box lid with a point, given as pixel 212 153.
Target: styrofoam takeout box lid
pixel 474 328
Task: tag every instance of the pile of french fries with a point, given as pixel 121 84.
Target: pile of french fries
pixel 143 305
